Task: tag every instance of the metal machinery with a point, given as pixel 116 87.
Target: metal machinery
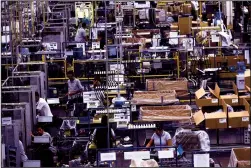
pixel 10 142
pixel 33 69
pixel 20 114
pixel 84 12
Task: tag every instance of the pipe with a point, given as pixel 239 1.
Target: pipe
pixel 106 65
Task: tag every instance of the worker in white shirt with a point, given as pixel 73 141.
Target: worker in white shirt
pixel 43 108
pixel 22 152
pixel 81 33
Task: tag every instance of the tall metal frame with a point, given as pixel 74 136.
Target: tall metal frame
pixel 27 118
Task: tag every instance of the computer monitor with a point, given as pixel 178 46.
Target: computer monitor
pixel 112 51
pixel 32 163
pixel 77 53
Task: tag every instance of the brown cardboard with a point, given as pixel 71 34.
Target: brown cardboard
pixel 248 88
pixel 246 97
pixel 203 24
pixel 198 117
pixel 185 24
pixel 247 77
pixel 231 60
pixel 200 102
pixel 187 8
pixel 229 99
pixel 241 97
pixel 212 120
pixel 238 119
pixel 216 91
pixel 240 157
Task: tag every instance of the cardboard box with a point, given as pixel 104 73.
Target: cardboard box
pixel 229 99
pixel 230 60
pixel 240 157
pixel 242 95
pixel 200 101
pixel 187 9
pixel 212 120
pixel 248 88
pixel 238 119
pixel 217 98
pixel 185 25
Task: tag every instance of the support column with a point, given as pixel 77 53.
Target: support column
pixel 228 11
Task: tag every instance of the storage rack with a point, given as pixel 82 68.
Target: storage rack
pixel 64 9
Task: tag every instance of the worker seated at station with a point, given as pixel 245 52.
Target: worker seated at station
pixel 44 151
pixel 100 135
pixel 160 137
pixel 43 108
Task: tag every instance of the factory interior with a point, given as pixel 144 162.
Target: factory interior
pixel 124 83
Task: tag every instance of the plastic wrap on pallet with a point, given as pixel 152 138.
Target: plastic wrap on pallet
pixel 167 84
pixel 155 97
pixel 144 163
pixel 191 140
pixel 166 113
pixel 69 125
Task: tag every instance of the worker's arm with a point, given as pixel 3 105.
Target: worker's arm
pixel 113 135
pixel 94 135
pixel 149 143
pixel 40 108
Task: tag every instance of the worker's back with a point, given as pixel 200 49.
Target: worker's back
pixel 101 138
pixel 80 35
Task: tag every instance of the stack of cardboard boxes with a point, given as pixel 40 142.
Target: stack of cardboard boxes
pixel 223 119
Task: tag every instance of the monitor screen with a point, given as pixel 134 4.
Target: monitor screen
pixel 112 51
pixel 77 53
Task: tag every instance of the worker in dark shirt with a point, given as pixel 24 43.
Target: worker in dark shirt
pixel 101 135
pixel 101 38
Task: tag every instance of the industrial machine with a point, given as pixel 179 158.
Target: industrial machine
pixel 20 114
pixel 10 143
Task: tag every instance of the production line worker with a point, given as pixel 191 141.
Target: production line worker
pixel 81 34
pixel 75 88
pixel 160 137
pixel 45 154
pixel 100 135
pixel 43 108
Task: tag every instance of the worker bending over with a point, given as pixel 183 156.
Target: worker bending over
pixel 43 108
pixel 81 33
